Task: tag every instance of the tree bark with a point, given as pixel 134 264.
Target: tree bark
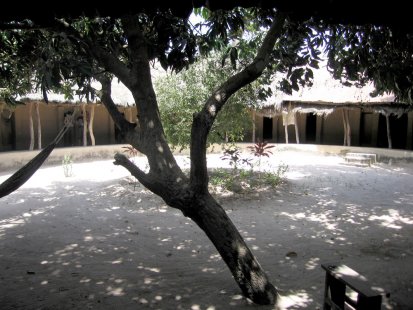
pixel 246 270
pixel 213 220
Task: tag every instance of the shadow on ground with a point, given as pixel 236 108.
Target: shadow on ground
pixel 113 244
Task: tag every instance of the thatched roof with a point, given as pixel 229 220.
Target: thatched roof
pixel 120 93
pixel 328 94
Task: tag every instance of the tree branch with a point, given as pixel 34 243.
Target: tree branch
pixel 203 120
pixel 106 59
pixel 156 184
pixel 119 119
pixel 144 178
pixel 111 63
pixel 140 79
pixel 152 138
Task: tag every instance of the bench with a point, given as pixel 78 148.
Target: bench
pixel 347 289
pixel 361 158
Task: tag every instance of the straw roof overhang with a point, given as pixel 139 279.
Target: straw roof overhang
pixel 326 95
pixel 325 108
pixel 120 95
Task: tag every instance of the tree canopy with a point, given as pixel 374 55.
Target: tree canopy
pixel 47 49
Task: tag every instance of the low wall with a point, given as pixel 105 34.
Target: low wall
pixel 10 161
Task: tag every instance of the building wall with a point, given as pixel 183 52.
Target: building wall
pixel 6 129
pixel 52 121
pixel 367 129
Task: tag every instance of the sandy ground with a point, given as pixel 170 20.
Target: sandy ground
pixel 97 240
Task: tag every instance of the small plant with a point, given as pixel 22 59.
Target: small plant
pixel 261 149
pixel 220 177
pixel 235 159
pixel 67 165
pixel 130 150
pixel 274 178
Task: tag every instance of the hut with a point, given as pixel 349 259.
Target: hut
pixel 330 113
pixel 35 123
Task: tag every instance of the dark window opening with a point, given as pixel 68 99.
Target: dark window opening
pixel 311 128
pixel 398 131
pixel 267 128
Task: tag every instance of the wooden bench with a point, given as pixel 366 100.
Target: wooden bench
pixel 347 289
pixel 361 158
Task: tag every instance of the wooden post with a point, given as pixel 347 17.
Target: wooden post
pixel 388 131
pixel 84 124
pixel 286 133
pixel 39 127
pixel 130 116
pixel 297 135
pixel 31 128
pixel 348 128
pixel 319 130
pixel 92 116
pixel 345 127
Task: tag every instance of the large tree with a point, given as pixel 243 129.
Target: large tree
pixel 76 45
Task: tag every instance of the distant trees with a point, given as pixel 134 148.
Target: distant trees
pixel 182 94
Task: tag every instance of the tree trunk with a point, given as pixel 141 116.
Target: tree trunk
pixel 39 127
pixel 246 270
pixel 213 220
pixel 31 127
pixel 84 136
pixel 92 116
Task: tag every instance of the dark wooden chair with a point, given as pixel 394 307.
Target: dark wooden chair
pixel 347 289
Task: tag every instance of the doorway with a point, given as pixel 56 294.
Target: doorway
pixel 267 126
